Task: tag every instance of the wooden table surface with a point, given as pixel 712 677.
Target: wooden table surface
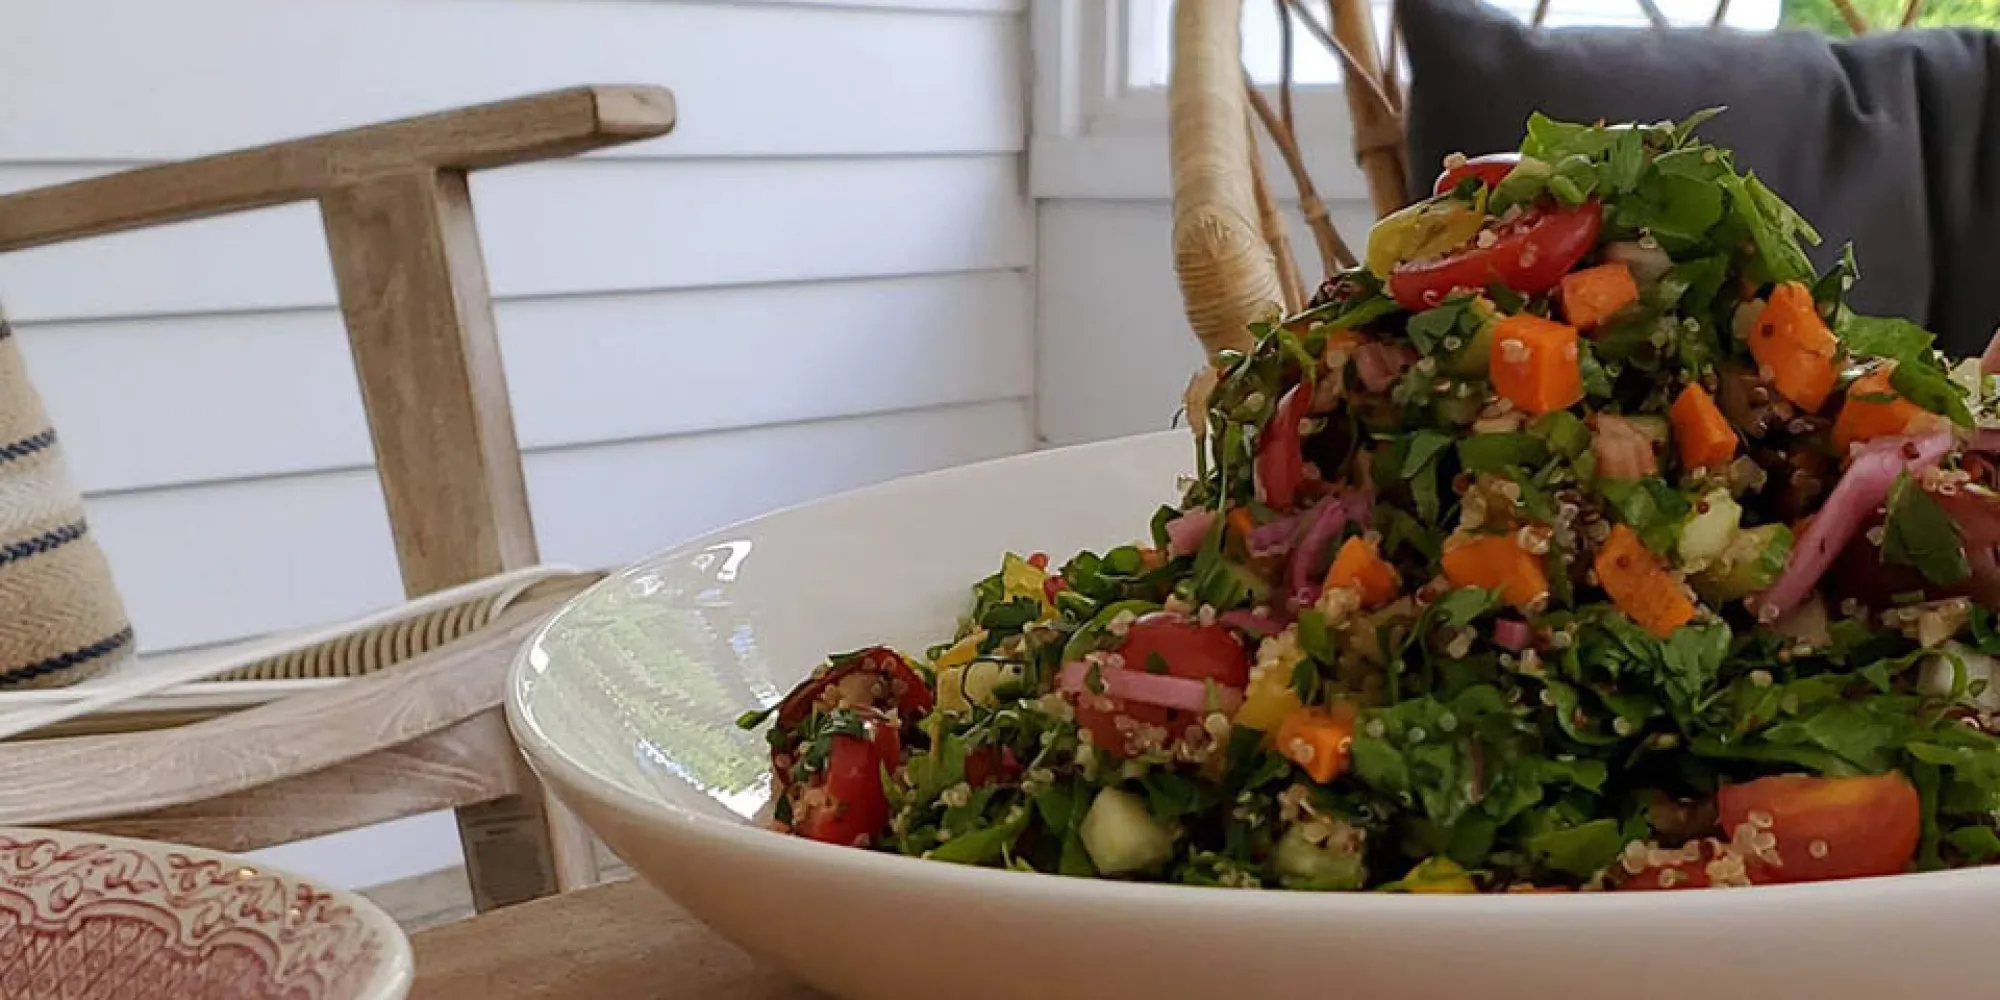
pixel 622 941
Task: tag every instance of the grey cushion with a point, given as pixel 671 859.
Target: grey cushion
pixel 1890 140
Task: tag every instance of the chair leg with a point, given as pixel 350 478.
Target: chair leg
pixel 524 847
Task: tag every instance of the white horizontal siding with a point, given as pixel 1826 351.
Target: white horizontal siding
pixel 125 80
pixel 201 564
pixel 577 227
pixel 260 394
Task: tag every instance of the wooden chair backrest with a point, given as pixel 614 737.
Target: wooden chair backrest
pixel 413 292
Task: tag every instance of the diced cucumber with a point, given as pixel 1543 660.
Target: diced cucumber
pixel 1472 358
pixel 1752 562
pixel 1121 836
pixel 1329 866
pixel 1710 528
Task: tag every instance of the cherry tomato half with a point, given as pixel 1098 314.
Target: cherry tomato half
pixel 1529 255
pixel 1188 648
pixel 1098 717
pixel 1489 169
pixel 1280 466
pixel 845 804
pixel 895 686
pixel 1828 828
pixel 986 765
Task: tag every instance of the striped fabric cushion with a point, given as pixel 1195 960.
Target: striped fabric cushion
pixel 61 619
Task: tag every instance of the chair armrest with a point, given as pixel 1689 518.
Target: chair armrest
pixel 68 780
pixel 544 126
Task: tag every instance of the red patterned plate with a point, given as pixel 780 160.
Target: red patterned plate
pixel 88 917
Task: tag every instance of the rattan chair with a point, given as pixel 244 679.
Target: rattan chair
pixel 1231 251
pixel 416 726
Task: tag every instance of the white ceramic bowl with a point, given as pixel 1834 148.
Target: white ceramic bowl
pixel 625 704
pixel 89 917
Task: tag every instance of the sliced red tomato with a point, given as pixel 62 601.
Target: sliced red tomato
pixel 1489 169
pixel 1188 648
pixel 1828 828
pixel 987 765
pixel 1281 465
pixel 879 675
pixel 845 803
pixel 1529 255
pixel 1098 717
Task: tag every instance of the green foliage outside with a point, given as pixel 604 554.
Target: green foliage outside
pixel 1822 15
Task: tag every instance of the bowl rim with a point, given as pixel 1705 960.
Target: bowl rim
pixel 393 977
pixel 570 777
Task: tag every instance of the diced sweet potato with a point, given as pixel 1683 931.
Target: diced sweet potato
pixel 1592 295
pixel 1640 585
pixel 1793 344
pixel 1360 565
pixel 1702 434
pixel 1497 562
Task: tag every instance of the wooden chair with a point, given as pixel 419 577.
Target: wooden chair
pixel 425 733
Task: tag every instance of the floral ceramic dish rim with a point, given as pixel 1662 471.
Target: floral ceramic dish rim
pixel 55 881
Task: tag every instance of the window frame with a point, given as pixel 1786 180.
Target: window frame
pixel 1096 137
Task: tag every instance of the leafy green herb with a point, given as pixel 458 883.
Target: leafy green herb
pixel 1886 337
pixel 1580 851
pixel 1424 447
pixel 1494 452
pixel 1649 506
pixel 1463 606
pixel 1929 387
pixel 1564 431
pixel 1684 131
pixel 1917 532
pixel 984 845
pixel 1305 679
pixel 1314 638
pixel 1428 329
pixel 1086 639
pixel 1596 381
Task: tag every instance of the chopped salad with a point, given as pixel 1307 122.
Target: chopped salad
pixel 1581 539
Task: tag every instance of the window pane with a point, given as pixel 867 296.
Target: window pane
pixel 1149 57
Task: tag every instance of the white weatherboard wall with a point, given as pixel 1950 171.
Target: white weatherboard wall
pixel 819 280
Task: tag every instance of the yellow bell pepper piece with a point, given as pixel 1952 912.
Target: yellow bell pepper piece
pixel 1438 876
pixel 1020 578
pixel 1269 697
pixel 1423 230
